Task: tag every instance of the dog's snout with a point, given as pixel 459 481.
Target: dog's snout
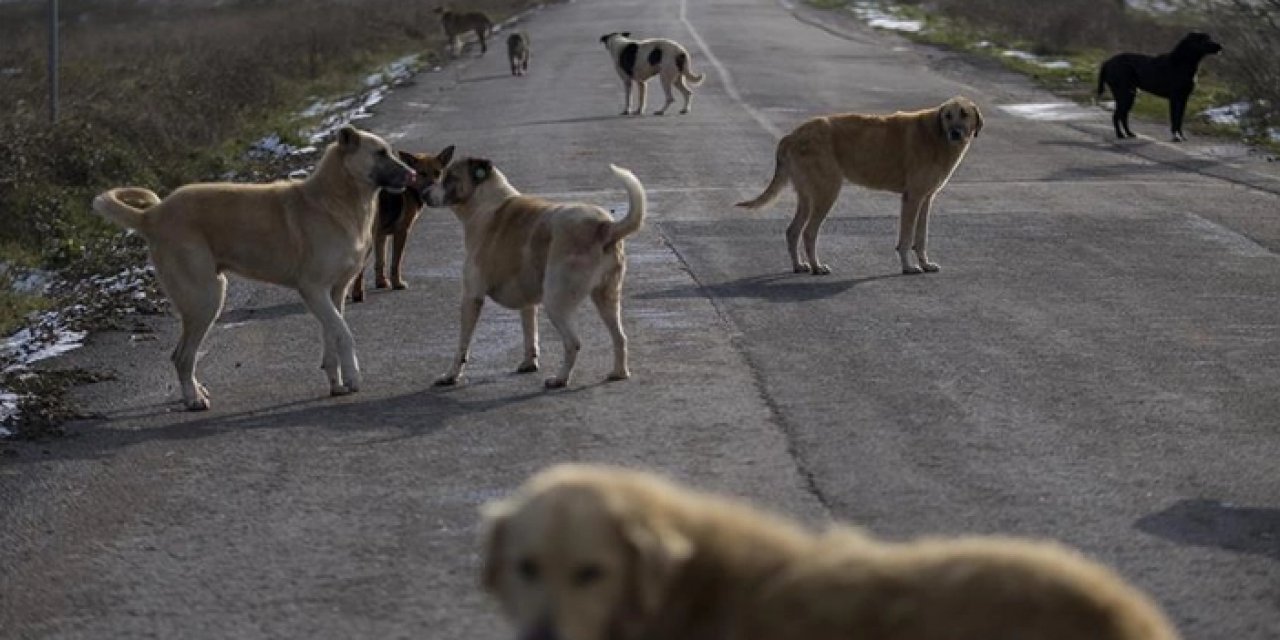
pixel 957 135
pixel 542 631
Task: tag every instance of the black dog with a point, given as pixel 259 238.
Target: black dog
pixel 1171 75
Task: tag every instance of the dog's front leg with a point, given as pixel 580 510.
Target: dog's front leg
pixel 906 231
pixel 626 96
pixel 380 260
pixel 339 360
pixel 471 305
pixel 397 258
pixel 1177 110
pixel 529 322
pixel 922 236
pixel 642 92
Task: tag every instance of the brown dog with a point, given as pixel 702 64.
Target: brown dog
pixel 595 553
pixel 912 153
pixel 456 23
pixel 396 214
pixel 311 235
pixel 524 251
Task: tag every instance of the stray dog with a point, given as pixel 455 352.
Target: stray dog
pixel 638 60
pixel 912 153
pixel 518 53
pixel 597 553
pixel 311 235
pixel 396 214
pixel 524 251
pixel 457 23
pixel 1169 75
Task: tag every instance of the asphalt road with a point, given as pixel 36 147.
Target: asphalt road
pixel 1097 362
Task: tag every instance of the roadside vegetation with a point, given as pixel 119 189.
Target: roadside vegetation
pixel 1062 43
pixel 159 95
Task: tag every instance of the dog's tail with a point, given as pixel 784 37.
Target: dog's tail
pixel 126 206
pixel 637 203
pixel 781 176
pixel 682 63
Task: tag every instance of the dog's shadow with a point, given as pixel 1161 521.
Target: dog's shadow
pixel 251 314
pixel 496 76
pixel 776 287
pixel 1210 523
pixel 614 116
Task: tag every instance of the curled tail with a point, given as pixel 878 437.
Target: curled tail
pixel 126 206
pixel 780 179
pixel 682 63
pixel 636 201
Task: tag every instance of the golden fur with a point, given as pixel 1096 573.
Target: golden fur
pixel 597 553
pixel 311 235
pixel 912 153
pixel 524 252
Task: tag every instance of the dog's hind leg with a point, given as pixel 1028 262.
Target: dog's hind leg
pixel 470 316
pixel 380 261
pixel 795 229
pixel 198 298
pixel 564 292
pixel 922 236
pixel 339 360
pixel 666 79
pixel 1124 103
pixel 823 197
pixel 609 305
pixel 529 325
pixel 684 89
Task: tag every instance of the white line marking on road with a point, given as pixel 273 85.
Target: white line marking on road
pixel 729 87
pixel 1236 243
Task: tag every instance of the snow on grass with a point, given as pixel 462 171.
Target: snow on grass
pixel 1234 115
pixel 1035 59
pixel 876 16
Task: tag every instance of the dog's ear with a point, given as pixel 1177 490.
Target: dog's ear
pixel 659 553
pixel 605 38
pixel 407 158
pixel 480 169
pixel 625 34
pixel 348 138
pixel 977 116
pixel 494 516
pixel 445 156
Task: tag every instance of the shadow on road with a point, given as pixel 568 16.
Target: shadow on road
pixel 783 287
pixel 262 313
pixel 613 116
pixel 1209 523
pixel 496 76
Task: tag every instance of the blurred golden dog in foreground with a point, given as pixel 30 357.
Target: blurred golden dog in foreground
pixel 596 553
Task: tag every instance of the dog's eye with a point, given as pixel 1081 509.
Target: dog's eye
pixel 528 570
pixel 947 115
pixel 586 575
pixel 963 114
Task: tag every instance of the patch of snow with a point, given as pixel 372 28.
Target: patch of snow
pixel 1230 114
pixel 983 44
pixel 1036 60
pixel 1050 111
pixel 873 14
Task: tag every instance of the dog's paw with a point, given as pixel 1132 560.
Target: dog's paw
pixel 555 383
pixel 399 285
pixel 800 267
pixel 357 297
pixel 684 112
pixel 930 267
pixel 527 367
pixel 820 270
pixel 446 380
pixel 912 270
pixel 618 375
pixel 199 404
pixel 336 390
pixel 381 283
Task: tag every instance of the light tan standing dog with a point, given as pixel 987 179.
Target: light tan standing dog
pixel 596 553
pixel 310 235
pixel 638 60
pixel 524 251
pixel 912 153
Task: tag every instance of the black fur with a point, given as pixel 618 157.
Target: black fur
pixel 1171 75
pixel 627 59
pixel 655 57
pixel 682 61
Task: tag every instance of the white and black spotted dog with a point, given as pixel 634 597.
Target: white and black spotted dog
pixel 638 60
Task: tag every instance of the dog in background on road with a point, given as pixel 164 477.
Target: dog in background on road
pixel 1169 75
pixel 311 235
pixel 638 60
pixel 396 214
pixel 518 53
pixel 912 153
pixel 586 552
pixel 456 23
pixel 523 252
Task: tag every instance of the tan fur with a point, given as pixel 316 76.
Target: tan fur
pixel 668 70
pixel 456 23
pixel 597 553
pixel 912 153
pixel 523 252
pixel 310 235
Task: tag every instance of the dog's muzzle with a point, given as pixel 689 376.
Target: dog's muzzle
pixel 407 179
pixel 956 135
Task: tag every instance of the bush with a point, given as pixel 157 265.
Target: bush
pixel 1250 33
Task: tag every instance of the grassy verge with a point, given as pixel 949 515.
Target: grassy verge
pixel 1083 52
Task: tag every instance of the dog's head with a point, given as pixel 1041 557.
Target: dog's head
pixel 427 168
pixel 615 34
pixel 959 119
pixel 1196 45
pixel 459 182
pixel 575 555
pixel 370 158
